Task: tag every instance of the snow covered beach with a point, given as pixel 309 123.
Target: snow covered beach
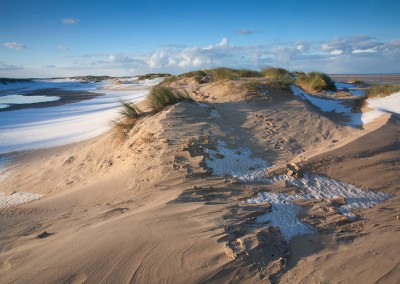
pixel 32 128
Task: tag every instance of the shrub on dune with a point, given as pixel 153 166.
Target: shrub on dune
pixel 315 82
pixel 160 97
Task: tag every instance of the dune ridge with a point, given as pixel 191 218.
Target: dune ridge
pixel 149 209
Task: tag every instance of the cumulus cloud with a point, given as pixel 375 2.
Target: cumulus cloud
pixel 359 54
pixel 8 67
pixel 350 45
pixel 244 32
pixel 14 45
pixel 70 21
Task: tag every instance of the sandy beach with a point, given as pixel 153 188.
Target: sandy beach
pixel 197 191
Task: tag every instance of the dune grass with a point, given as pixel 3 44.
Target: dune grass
pixel 162 96
pixel 253 86
pixel 380 91
pixel 281 77
pixel 247 73
pixel 275 72
pixel 129 113
pixel 315 82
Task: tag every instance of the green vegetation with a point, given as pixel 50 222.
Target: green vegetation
pixel 12 80
pixel 281 77
pixel 315 82
pixel 275 73
pixel 379 91
pixel 90 78
pixel 129 114
pixel 247 73
pixel 358 82
pixel 161 96
pixel 198 75
pixel 222 73
pixel 153 76
pixel 253 86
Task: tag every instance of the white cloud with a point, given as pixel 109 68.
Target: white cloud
pixel 70 21
pixel 368 50
pixel 14 45
pixel 336 52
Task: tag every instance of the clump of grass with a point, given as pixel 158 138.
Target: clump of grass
pixel 247 73
pixel 223 73
pixel 275 73
pixel 161 96
pixel 281 77
pixel 169 80
pixel 357 82
pixel 253 86
pixel 198 75
pixel 316 82
pixel 380 91
pixel 129 114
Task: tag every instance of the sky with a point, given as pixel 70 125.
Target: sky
pixel 50 38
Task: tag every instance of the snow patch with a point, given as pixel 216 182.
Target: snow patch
pixel 239 163
pixel 233 162
pixel 326 105
pixel 17 198
pixel 59 125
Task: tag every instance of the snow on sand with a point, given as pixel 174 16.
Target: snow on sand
pixel 239 163
pixel 59 125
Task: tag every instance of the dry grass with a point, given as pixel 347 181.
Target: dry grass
pixel 129 114
pixel 315 82
pixel 161 96
pixel 380 91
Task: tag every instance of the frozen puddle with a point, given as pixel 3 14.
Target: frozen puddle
pixel 17 198
pixel 239 163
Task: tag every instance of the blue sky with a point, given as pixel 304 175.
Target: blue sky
pixel 50 38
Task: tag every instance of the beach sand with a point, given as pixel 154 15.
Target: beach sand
pixel 149 210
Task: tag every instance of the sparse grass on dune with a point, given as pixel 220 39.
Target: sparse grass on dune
pixel 253 86
pixel 275 73
pixel 161 96
pixel 380 91
pixel 315 82
pixel 129 114
pixel 247 73
pixel 222 73
pixel 281 77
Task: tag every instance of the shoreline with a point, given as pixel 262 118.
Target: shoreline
pixel 66 97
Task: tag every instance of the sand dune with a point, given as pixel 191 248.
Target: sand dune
pixel 162 207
